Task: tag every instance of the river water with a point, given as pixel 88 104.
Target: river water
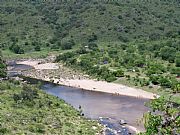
pixel 107 108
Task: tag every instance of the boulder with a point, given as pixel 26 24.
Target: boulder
pixel 122 122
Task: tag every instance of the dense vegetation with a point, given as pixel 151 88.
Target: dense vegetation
pixel 142 63
pixel 2 67
pixel 132 41
pixel 31 25
pixel 125 41
pixel 165 122
pixel 28 110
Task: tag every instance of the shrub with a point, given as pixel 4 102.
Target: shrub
pixel 37 48
pixel 165 123
pixel 119 73
pixel 67 45
pixel 16 49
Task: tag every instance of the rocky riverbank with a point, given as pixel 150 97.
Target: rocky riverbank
pixel 60 74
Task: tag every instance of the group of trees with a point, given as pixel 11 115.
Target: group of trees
pixel 134 57
pixel 114 21
pixel 167 122
pixel 2 67
pixel 27 95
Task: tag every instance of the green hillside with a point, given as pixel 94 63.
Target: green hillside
pixel 27 110
pixel 49 23
pixel 132 42
pixel 136 43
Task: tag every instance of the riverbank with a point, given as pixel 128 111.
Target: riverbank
pixel 59 74
pixel 40 113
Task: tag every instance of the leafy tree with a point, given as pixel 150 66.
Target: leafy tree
pixel 176 70
pixel 64 57
pixel 165 82
pixel 92 46
pixel 37 48
pixel 176 88
pixel 2 67
pixel 67 45
pixel 27 95
pixel 168 53
pixel 119 73
pixel 177 60
pixel 155 68
pixel 16 49
pixel 167 122
pixel 92 38
pixel 154 79
pixel 110 78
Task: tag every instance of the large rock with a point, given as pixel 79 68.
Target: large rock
pixel 122 122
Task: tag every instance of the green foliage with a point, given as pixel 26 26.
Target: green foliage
pixel 176 70
pixel 67 44
pixel 177 60
pixel 168 53
pixel 35 112
pixel 90 21
pixel 16 49
pixel 119 73
pixel 37 48
pixel 2 67
pixel 26 96
pixel 166 122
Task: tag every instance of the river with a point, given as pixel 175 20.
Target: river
pixel 108 109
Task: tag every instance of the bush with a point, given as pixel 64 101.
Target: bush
pixel 37 48
pixel 67 45
pixel 27 95
pixel 110 78
pixel 177 60
pixel 16 49
pixel 165 123
pixel 2 67
pixel 119 73
pixel 37 128
pixel 165 82
pixel 92 46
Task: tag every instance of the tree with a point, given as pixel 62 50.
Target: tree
pixel 92 37
pixel 92 46
pixel 176 88
pixel 154 79
pixel 119 73
pixel 165 123
pixel 176 70
pixel 16 49
pixel 168 53
pixel 2 67
pixel 37 48
pixel 177 60
pixel 67 44
pixel 165 82
pixel 27 95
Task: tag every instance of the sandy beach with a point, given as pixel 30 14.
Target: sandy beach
pixel 38 65
pixel 60 75
pixel 103 86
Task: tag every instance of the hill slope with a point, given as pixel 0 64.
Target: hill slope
pixel 46 23
pixel 27 110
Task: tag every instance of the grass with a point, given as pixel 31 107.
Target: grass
pixel 45 114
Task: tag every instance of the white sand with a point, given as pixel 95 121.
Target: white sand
pixel 106 87
pixel 36 65
pixel 88 84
